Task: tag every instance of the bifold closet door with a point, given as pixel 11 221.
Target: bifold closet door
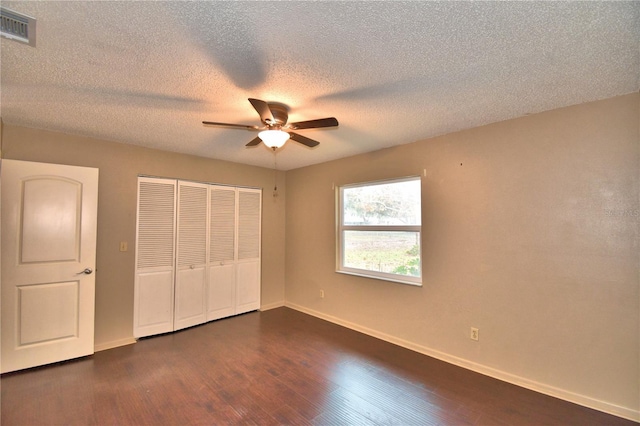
pixel 155 257
pixel 234 273
pixel 197 254
pixel 191 258
pixel 222 272
pixel 248 265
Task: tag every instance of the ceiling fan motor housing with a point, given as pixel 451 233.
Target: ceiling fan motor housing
pixel 280 114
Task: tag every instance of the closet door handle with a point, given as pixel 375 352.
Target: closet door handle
pixel 87 271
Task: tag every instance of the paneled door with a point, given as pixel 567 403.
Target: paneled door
pixel 48 231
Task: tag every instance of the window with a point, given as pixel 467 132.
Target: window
pixel 379 228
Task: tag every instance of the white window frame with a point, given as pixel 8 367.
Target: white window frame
pixel 341 228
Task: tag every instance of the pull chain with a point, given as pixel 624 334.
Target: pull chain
pixel 275 173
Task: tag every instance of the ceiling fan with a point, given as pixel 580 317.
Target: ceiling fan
pixel 275 130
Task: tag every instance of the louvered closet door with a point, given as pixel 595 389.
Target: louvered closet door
pixel 191 275
pixel 222 272
pixel 248 265
pixel 155 250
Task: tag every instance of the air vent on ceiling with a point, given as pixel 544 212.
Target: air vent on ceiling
pixel 16 26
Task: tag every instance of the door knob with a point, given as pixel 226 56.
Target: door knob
pixel 87 271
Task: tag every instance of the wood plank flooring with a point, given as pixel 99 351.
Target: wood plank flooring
pixel 269 368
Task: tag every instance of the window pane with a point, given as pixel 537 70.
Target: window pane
pixel 395 203
pixel 394 252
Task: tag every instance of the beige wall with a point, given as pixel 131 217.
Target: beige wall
pixel 119 166
pixel 530 233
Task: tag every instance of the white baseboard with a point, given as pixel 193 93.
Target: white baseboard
pixel 583 400
pixel 114 344
pixel 272 306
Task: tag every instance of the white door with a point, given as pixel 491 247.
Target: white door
pixel 222 278
pixel 191 268
pixel 248 286
pixel 48 231
pixel 248 265
pixel 153 297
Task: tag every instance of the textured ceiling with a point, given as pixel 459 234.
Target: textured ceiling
pixel 148 73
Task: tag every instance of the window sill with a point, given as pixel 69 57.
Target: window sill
pixel 364 274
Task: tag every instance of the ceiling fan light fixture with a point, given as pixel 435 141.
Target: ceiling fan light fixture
pixel 273 117
pixel 274 138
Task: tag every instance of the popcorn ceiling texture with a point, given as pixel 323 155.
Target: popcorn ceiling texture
pixel 148 73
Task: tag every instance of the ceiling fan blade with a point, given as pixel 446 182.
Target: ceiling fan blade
pixel 304 140
pixel 255 141
pixel 239 126
pixel 263 109
pixel 314 124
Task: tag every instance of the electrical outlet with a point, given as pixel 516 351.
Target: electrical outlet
pixel 123 246
pixel 475 334
pixel 321 294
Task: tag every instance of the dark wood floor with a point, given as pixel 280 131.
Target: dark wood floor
pixel 274 367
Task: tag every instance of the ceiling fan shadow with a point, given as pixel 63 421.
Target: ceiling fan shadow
pixel 107 95
pixel 375 91
pixel 152 100
pixel 224 33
